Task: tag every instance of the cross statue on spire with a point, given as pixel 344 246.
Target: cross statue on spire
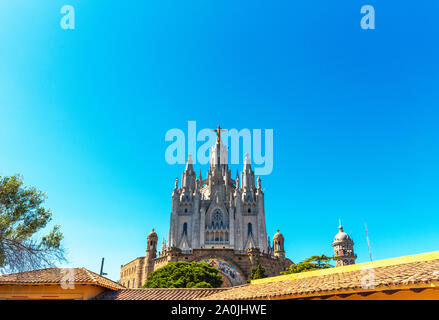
pixel 218 133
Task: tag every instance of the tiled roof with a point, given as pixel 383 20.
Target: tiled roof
pixel 57 276
pixel 159 294
pixel 393 274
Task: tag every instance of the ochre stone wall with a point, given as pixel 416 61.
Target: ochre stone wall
pixel 244 262
pixel 131 274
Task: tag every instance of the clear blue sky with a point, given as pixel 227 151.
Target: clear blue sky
pixel 355 115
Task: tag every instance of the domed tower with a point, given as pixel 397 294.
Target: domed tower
pixel 151 252
pixel 343 248
pixel 151 248
pixel 278 245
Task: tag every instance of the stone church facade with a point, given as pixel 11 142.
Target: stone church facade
pixel 218 220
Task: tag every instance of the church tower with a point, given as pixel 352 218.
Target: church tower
pixel 217 220
pixel 278 245
pixel 151 251
pixel 218 212
pixel 343 248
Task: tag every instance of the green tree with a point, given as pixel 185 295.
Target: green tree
pixel 22 222
pixel 257 273
pixel 321 262
pixel 184 275
pixel 310 264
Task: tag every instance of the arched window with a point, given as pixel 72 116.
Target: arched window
pixel 217 219
pixel 185 228
pixel 249 229
pixel 217 223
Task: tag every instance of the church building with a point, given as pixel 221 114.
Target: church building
pixel 218 220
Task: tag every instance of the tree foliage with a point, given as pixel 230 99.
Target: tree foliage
pixel 184 275
pixel 22 220
pixel 257 273
pixel 310 264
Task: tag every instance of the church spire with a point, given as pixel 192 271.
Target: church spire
pixel 248 179
pixel 247 162
pixel 237 179
pixel 189 164
pixel 188 179
pixel 218 159
pixel 163 245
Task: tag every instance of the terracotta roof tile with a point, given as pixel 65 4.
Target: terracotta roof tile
pixel 56 276
pixel 160 294
pixel 413 273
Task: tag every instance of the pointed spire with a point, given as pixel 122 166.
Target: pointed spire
pixel 340 227
pixel 248 179
pixel 188 178
pixel 163 245
pixel 176 191
pixel 247 162
pixel 250 244
pixel 237 179
pixel 184 243
pixel 189 164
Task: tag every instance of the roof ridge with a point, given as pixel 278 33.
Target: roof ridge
pixel 98 275
pixel 414 276
pixel 193 289
pixel 48 276
pixel 27 271
pixel 90 274
pixel 429 256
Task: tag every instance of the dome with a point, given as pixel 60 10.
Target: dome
pixel 278 236
pixel 152 234
pixel 341 235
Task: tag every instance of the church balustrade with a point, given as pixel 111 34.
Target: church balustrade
pixel 217 237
